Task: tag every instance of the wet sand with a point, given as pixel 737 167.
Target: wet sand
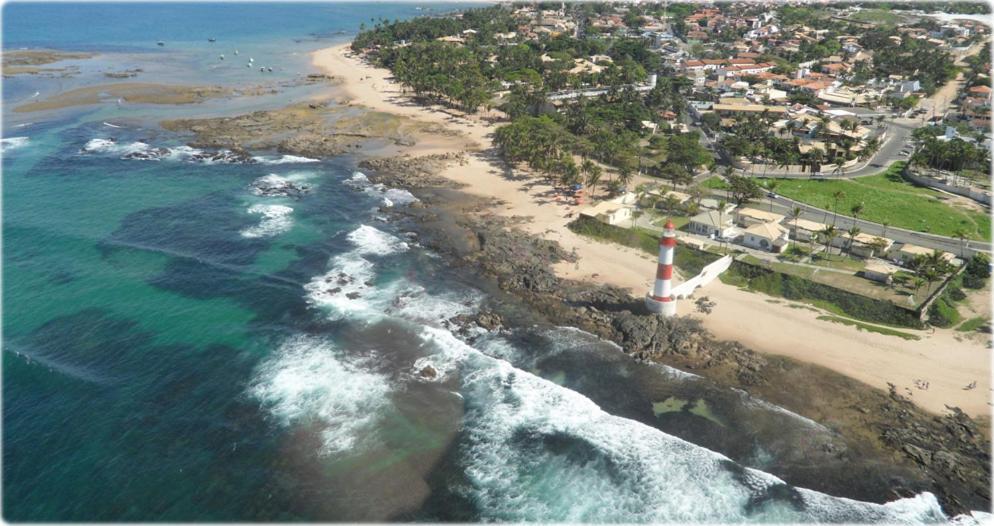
pixel 130 92
pixel 29 61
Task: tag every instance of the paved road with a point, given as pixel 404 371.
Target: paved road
pixel 782 205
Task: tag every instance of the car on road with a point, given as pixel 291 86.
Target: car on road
pixel 772 195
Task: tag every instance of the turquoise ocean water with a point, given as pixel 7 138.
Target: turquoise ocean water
pixel 179 348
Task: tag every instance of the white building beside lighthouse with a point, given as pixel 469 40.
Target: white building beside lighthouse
pixel 662 299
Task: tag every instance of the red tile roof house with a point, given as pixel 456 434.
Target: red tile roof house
pixel 980 91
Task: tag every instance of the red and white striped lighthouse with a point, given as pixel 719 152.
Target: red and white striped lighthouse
pixel 661 300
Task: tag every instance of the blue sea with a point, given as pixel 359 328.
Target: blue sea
pixel 178 347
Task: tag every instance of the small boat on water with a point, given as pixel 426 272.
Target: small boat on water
pixel 262 69
pixel 160 43
pixel 269 70
pixel 236 52
pixel 212 39
pixel 221 56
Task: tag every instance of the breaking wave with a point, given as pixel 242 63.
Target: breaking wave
pixel 352 287
pixel 389 197
pixel 284 159
pixel 535 451
pixel 276 219
pixel 529 449
pixel 349 284
pixel 13 143
pixel 142 151
pixel 311 381
pixel 112 146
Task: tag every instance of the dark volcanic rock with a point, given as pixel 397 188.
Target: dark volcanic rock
pixel 152 154
pixel 412 172
pixel 273 185
pixel 949 447
pixel 235 156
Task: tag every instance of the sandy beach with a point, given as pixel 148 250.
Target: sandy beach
pixel 946 363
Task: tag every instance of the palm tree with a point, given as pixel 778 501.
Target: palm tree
pixel 856 209
pixel 962 236
pixel 839 168
pixel 815 158
pixel 721 221
pixel 853 232
pixel 936 259
pixel 795 214
pixel 931 275
pixel 771 185
pixel 593 177
pixel 827 235
pixel 837 196
pixel 625 176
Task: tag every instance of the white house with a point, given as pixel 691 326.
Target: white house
pixel 751 216
pixel 863 245
pixel 879 272
pixel 766 236
pixel 712 224
pixel 907 252
pixel 613 212
pixel 804 230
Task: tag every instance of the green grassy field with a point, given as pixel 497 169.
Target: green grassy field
pixel 714 182
pixel 876 16
pixel 888 197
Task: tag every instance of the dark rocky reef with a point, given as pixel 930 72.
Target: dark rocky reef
pixel 949 452
pixel 412 172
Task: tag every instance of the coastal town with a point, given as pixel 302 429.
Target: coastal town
pixel 802 141
pixel 644 261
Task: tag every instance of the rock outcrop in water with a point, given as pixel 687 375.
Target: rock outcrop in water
pixel 275 186
pixel 412 172
pixel 311 129
pixel 951 447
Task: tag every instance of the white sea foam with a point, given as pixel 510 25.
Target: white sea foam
pixel 13 143
pixel 358 180
pixel 351 289
pixel 112 146
pixel 413 302
pixel 276 219
pixel 675 373
pixel 535 451
pixel 311 381
pixel 139 150
pixel 373 241
pixel 749 399
pixel 398 197
pixel 389 197
pixel 348 287
pixel 974 518
pixel 284 159
pixel 182 153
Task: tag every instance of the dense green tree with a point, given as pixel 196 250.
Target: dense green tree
pixel 744 189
